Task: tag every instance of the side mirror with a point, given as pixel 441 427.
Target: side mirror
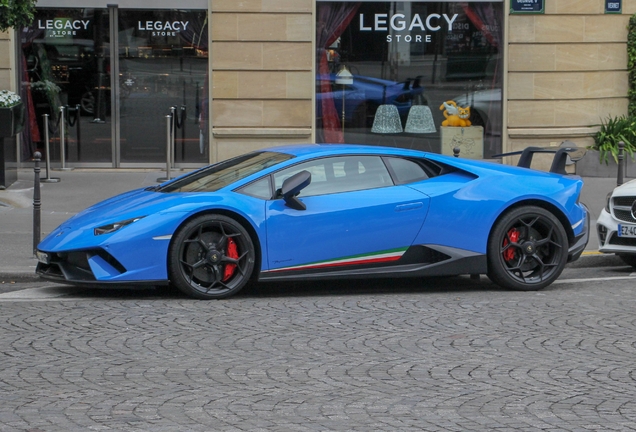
pixel 292 187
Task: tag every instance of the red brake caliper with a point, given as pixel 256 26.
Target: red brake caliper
pixel 513 235
pixel 232 252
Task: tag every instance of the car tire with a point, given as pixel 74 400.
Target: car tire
pixel 527 249
pixel 211 257
pixel 629 259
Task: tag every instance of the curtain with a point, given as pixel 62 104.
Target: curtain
pixel 333 19
pixel 486 18
pixel 31 133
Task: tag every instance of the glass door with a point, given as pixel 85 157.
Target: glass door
pixel 66 64
pixel 117 73
pixel 162 61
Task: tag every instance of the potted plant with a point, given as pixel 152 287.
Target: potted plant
pixel 601 159
pixel 11 114
pixel 613 131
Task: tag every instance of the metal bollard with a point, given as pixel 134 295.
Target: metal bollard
pixel 173 134
pixel 77 127
pixel 47 149
pixel 63 139
pixel 36 202
pixel 169 142
pixel 456 151
pixel 620 175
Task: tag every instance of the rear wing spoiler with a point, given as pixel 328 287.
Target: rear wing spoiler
pixel 563 156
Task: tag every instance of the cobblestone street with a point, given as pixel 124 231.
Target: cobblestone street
pixel 454 355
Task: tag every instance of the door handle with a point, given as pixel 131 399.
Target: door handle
pixel 409 206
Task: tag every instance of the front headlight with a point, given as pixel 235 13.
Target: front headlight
pixel 607 202
pixel 111 228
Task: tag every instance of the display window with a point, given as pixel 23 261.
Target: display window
pixel 422 75
pixel 115 74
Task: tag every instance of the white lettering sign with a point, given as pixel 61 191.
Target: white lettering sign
pixel 165 26
pixel 397 22
pixel 63 24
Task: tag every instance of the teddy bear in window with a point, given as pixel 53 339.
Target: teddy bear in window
pixel 456 116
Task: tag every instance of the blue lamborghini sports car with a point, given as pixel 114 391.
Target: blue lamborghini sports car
pixel 327 211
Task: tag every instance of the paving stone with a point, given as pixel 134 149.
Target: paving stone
pixel 321 358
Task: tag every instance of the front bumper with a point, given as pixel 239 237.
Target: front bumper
pixel 608 239
pixel 87 267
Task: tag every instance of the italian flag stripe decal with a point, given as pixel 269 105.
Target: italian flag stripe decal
pixel 377 257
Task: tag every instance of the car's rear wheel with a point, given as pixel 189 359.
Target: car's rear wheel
pixel 527 249
pixel 629 259
pixel 211 257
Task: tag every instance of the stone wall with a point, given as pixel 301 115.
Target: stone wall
pixel 6 50
pixel 262 81
pixel 567 71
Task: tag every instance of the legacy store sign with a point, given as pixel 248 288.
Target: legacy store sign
pixel 398 23
pixel 62 27
pixel 163 28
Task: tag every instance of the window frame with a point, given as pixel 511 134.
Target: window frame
pixel 276 191
pixel 430 169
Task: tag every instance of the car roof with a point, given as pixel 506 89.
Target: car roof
pixel 300 150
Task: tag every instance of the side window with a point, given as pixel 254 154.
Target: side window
pixel 258 189
pixel 339 174
pixel 405 170
pixel 318 172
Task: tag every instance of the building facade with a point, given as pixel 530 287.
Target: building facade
pixel 240 76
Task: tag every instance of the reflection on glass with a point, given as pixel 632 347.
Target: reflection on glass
pixel 408 54
pixel 65 62
pixel 163 60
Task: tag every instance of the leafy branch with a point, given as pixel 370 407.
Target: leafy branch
pixel 16 13
pixel 631 65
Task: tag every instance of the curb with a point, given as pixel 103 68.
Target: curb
pixel 22 277
pixel 597 259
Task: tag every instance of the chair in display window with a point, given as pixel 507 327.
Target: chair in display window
pixel 387 120
pixel 420 120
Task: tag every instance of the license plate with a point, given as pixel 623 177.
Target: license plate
pixel 43 257
pixel 626 230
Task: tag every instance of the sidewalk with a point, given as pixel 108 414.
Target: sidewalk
pixel 76 190
pixel 81 188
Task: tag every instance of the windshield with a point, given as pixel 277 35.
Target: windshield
pixel 219 175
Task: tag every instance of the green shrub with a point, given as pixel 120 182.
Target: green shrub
pixel 16 13
pixel 613 131
pixel 631 65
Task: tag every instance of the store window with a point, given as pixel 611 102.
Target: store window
pixel 115 85
pixel 65 63
pixel 422 75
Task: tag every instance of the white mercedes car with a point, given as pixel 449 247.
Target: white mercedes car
pixel 616 226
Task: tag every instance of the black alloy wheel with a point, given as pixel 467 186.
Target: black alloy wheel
pixel 211 257
pixel 527 249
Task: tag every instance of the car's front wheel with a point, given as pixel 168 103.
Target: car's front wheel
pixel 211 257
pixel 527 249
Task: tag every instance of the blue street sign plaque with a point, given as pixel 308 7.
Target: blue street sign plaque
pixel 526 6
pixel 613 6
